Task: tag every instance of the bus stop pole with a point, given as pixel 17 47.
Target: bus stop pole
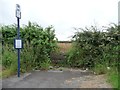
pixel 18 36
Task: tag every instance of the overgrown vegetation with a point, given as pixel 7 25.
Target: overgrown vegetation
pixel 96 50
pixel 92 48
pixel 38 43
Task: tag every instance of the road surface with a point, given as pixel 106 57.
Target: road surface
pixel 52 79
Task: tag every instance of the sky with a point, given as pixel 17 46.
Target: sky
pixel 64 15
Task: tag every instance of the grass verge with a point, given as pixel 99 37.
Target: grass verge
pixel 111 74
pixel 9 71
pixel 112 78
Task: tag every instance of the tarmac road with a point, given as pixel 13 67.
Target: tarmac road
pixel 45 79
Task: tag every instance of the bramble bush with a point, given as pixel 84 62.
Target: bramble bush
pixel 92 47
pixel 38 43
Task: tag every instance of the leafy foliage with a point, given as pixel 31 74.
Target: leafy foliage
pixel 38 43
pixel 92 46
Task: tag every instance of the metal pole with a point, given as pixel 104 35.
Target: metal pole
pixel 18 36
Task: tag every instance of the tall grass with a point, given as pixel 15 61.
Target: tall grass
pixel 113 77
pixel 9 61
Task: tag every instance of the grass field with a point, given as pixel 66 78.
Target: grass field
pixel 64 46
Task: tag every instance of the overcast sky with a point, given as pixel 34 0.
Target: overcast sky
pixel 62 14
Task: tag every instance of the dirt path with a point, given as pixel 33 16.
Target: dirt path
pixel 97 81
pixel 91 81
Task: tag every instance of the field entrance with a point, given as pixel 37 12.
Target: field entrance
pixel 60 55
